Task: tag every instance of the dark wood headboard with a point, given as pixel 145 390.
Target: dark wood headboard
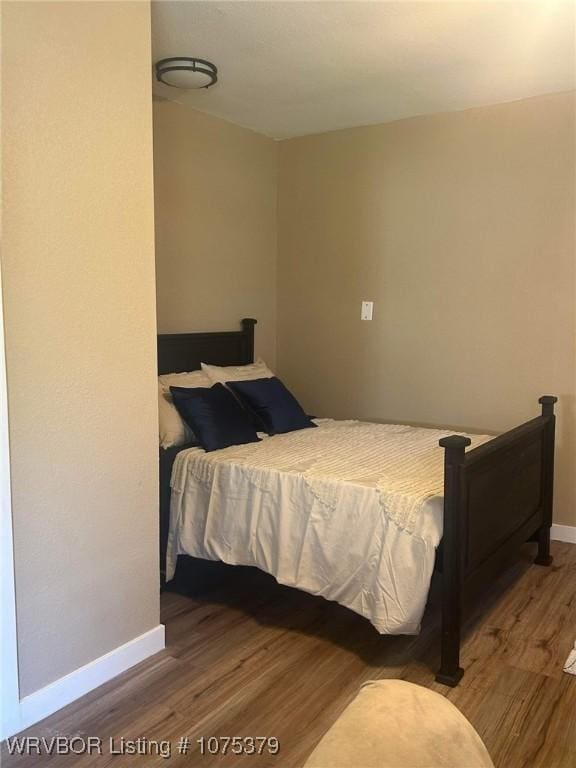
pixel 178 352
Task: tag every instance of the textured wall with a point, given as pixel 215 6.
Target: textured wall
pixel 78 278
pixel 215 204
pixel 460 227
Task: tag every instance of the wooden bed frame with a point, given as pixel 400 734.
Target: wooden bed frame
pixel 496 496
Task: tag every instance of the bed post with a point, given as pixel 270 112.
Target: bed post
pixel 248 324
pixel 543 535
pixel 450 671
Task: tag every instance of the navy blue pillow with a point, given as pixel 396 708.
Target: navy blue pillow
pixel 272 403
pixel 215 416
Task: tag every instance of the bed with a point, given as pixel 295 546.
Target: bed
pixel 329 511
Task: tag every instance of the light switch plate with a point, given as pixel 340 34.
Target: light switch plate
pixel 367 309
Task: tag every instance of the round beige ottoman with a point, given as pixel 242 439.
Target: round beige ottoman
pixel 394 724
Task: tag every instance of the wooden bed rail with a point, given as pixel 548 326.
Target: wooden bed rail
pixel 496 497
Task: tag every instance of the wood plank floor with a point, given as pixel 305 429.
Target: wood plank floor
pixel 252 658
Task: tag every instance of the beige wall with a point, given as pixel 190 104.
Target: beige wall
pixel 215 199
pixel 460 227
pixel 78 279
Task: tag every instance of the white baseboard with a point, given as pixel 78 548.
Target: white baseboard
pixel 58 694
pixel 564 533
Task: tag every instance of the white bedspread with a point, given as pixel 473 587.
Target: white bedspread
pixel 351 511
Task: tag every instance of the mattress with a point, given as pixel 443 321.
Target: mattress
pixel 350 510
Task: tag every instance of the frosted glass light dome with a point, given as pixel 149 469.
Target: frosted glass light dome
pixel 187 73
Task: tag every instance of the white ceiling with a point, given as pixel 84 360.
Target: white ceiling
pixel 293 68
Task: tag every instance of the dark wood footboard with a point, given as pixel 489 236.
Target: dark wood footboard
pixel 496 497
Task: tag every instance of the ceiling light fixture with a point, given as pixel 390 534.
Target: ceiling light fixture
pixel 185 72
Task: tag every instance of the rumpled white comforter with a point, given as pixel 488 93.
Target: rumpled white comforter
pixel 350 510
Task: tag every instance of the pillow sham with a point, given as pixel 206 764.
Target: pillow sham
pixel 215 416
pixel 172 430
pixel 274 405
pixel 223 374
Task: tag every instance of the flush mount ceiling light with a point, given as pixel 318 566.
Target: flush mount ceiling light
pixel 184 72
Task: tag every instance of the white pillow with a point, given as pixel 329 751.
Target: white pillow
pixel 171 427
pixel 221 374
